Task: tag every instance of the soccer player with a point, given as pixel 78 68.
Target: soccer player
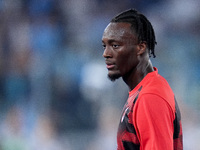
pixel 150 118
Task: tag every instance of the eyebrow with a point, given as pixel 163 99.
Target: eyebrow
pixel 110 41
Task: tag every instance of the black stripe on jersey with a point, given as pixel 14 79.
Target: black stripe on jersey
pixel 137 95
pixel 177 121
pixel 129 127
pixel 130 146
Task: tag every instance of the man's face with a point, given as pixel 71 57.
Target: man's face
pixel 120 50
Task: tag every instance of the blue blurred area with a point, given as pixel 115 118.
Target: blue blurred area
pixel 54 91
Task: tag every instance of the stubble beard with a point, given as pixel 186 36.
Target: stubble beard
pixel 114 77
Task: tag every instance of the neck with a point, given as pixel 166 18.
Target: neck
pixel 137 74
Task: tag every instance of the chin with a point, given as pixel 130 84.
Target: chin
pixel 113 77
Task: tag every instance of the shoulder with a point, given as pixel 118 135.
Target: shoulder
pixel 155 105
pixel 156 84
pixel 157 90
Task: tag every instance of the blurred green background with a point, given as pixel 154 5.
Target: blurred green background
pixel 54 91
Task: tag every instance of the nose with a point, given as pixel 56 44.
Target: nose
pixel 107 52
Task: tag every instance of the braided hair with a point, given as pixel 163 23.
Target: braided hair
pixel 141 25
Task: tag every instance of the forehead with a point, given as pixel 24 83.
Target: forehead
pixel 118 30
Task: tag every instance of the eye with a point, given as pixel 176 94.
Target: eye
pixel 104 46
pixel 115 46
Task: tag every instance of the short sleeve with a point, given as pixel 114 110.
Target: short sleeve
pixel 153 119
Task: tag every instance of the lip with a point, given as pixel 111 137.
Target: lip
pixel 109 65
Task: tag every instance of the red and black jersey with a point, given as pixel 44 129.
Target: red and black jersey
pixel 151 118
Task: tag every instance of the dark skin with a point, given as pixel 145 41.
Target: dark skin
pixel 124 55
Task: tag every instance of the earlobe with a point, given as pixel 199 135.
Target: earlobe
pixel 142 48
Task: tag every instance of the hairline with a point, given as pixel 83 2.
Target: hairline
pixel 132 28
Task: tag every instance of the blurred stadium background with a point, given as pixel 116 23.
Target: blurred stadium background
pixel 54 91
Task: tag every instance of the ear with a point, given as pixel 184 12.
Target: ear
pixel 142 47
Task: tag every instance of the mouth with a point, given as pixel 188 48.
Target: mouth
pixel 109 65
